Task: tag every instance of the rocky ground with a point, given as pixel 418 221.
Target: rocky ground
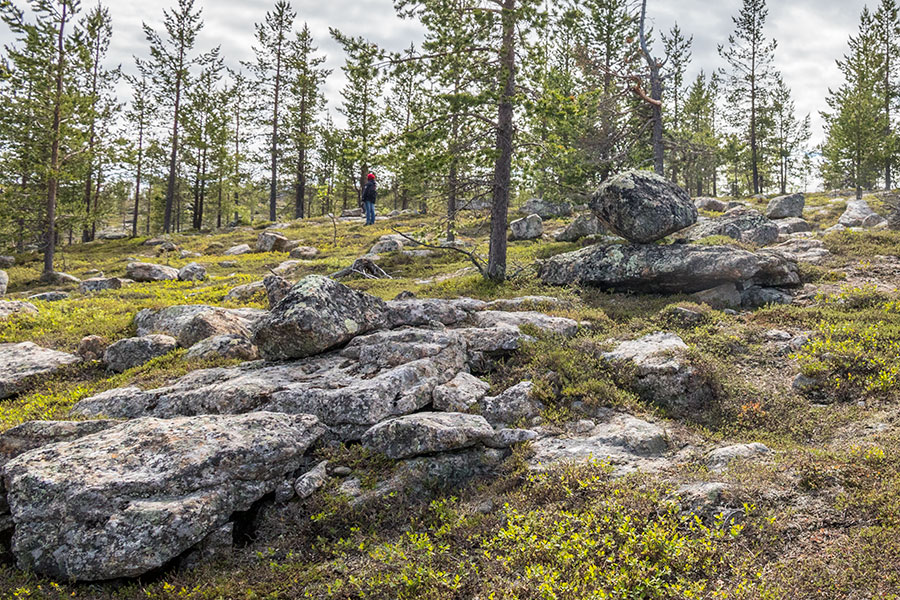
pixel 688 398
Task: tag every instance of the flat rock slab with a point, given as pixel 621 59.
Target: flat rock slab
pixel 678 268
pixel 20 363
pixel 35 434
pixel 427 433
pixel 129 499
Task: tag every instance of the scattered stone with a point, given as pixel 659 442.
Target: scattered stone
pixel 803 384
pixel 192 272
pixel 98 284
pixel 757 297
pixel 386 244
pixel 419 313
pixel 228 346
pixel 92 347
pixel 133 352
pixel 661 372
pixel 460 393
pixel 9 308
pixel 214 248
pixel 582 227
pixel 719 459
pixel 513 405
pixel 228 264
pixel 860 214
pixel 341 471
pixel 784 207
pixel 643 207
pixel 304 253
pixel 245 292
pixel 792 225
pixel 154 242
pixel 684 317
pixel 156 488
pixel 546 209
pixel 679 268
pixel 212 323
pixel 742 224
pixel 306 485
pixel 187 254
pixel 166 246
pixel 21 363
pixel 710 204
pixel 490 319
pixel 50 296
pixel 271 241
pixel 529 228
pixel 317 314
pixel 427 433
pixel 238 250
pixel 148 272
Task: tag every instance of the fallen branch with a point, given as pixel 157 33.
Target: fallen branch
pixel 476 260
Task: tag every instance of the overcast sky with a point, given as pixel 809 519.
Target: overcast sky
pixel 811 34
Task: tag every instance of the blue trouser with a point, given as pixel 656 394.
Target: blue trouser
pixel 370 212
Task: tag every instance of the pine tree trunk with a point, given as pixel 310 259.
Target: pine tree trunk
pixel 137 180
pixel 173 158
pixel 53 179
pixel 496 270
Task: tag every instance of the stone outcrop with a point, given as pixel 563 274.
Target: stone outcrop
pixel 4 282
pixel 460 393
pixel 133 352
pixel 36 434
pixel 149 272
pixel 132 498
pixel 22 363
pixel 318 314
pixel 643 207
pixel 679 268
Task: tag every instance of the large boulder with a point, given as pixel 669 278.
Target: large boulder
pixel 377 376
pixel 9 308
pixel 130 499
pixel 4 282
pixel 147 272
pixel 316 315
pixel 660 371
pixel 426 433
pixel 784 207
pixel 643 207
pixel 271 241
pixel 21 363
pixel 546 209
pixel 133 352
pixel 529 228
pixel 742 224
pixel 679 268
pixel 581 227
pixel 860 214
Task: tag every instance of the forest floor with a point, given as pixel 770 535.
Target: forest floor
pixel 818 518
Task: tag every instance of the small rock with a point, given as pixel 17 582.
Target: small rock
pixel 97 284
pixel 721 296
pixel 133 352
pixel 582 227
pixel 192 272
pixel 148 272
pixel 245 292
pixel 427 433
pixel 7 261
pixel 803 384
pixel 504 438
pixel 284 492
pixel 512 406
pixel 719 459
pixel 793 225
pixel 92 347
pixel 312 480
pixel 4 282
pixel 238 250
pixel 277 288
pixel 784 207
pixel 546 209
pixel 271 241
pixel 50 296
pixel 341 471
pixel 304 253
pixel 9 308
pixel 384 246
pixel 710 204
pixel 25 361
pixel 860 214
pixel 529 228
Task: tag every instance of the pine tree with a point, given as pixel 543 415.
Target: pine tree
pixel 139 118
pixel 749 56
pixel 790 135
pixel 678 57
pixel 272 71
pixel 854 148
pixel 170 64
pixel 887 31
pixel 306 101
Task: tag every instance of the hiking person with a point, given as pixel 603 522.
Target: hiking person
pixel 369 195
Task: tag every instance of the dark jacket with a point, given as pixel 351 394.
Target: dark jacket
pixel 370 193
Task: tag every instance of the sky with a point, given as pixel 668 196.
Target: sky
pixel 811 34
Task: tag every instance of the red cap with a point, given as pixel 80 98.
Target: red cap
pixel 371 175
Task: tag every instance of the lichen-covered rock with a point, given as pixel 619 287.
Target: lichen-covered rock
pixel 710 204
pixel 860 214
pixel 35 434
pixel 460 393
pixel 238 250
pixel 9 308
pixel 271 241
pixel 277 287
pixel 98 284
pixel 720 458
pixel 757 297
pixel 92 347
pixel 133 352
pixel 426 433
pixel 50 296
pixel 643 207
pixel 546 209
pixel 679 268
pixel 147 272
pixel 488 319
pixel 4 282
pixel 59 278
pixel 803 250
pixel 386 244
pixel 784 207
pixel 529 228
pixel 726 295
pixel 304 252
pixel 416 313
pixel 513 405
pixel 7 261
pixel 312 480
pixel 21 363
pixel 192 272
pixel 792 225
pixel 661 372
pixel 582 227
pixel 127 500
pixel 245 292
pixel 742 224
pixel 317 314
pixel 229 346
pixel 191 323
